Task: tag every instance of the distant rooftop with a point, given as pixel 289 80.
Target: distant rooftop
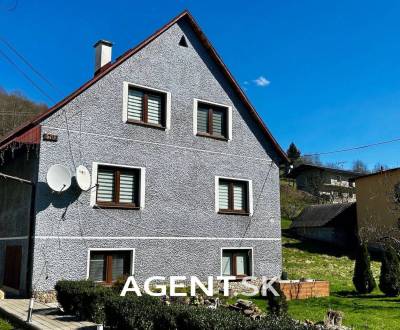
pixel 304 167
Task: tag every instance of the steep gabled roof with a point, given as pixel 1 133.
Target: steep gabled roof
pixel 9 138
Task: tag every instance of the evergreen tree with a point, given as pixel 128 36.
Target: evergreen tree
pixel 363 278
pixel 277 305
pixel 293 153
pixel 389 281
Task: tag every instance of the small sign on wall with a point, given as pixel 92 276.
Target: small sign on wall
pixel 50 137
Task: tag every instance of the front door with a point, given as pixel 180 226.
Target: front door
pixel 12 269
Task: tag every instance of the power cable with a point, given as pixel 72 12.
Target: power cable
pixel 353 148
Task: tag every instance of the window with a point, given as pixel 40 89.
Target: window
pixel 233 196
pixel 212 120
pixel 146 106
pixel 236 262
pixel 108 266
pixel 118 187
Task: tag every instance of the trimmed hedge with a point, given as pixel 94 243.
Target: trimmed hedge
pixel 104 306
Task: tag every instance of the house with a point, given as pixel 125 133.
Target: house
pixel 378 207
pixel 330 185
pixel 185 175
pixel 332 223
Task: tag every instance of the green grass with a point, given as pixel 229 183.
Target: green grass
pixel 315 260
pixel 4 325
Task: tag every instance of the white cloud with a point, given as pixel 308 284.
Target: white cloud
pixel 261 81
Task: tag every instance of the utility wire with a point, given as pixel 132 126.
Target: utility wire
pixel 8 44
pixel 26 76
pixel 354 148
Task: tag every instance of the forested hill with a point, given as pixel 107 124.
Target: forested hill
pixel 16 109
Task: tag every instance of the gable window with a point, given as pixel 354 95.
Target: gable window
pixel 236 262
pixel 233 196
pixel 146 106
pixel 212 120
pixel 118 186
pixel 108 266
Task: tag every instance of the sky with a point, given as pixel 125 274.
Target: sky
pixel 322 74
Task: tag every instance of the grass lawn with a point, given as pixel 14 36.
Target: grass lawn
pixel 314 260
pixel 4 325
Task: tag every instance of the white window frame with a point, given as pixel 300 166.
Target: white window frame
pixel 126 86
pixel 142 184
pixel 238 248
pixel 131 250
pixel 229 116
pixel 250 192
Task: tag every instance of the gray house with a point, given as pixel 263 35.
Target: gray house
pixel 330 185
pixel 185 175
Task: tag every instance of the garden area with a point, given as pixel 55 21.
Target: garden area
pixel 5 325
pixel 313 260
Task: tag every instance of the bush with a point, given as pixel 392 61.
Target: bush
pixel 103 305
pixel 84 299
pixel 363 278
pixel 277 305
pixel 69 294
pixel 389 281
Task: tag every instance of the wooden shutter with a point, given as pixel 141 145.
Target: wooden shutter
pixel 135 104
pixel 239 193
pixel 223 195
pixel 127 187
pixel 97 267
pixel 154 109
pixel 202 120
pixel 218 122
pixel 105 188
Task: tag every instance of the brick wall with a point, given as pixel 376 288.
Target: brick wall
pixel 304 290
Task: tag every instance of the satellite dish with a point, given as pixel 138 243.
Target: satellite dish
pixel 58 178
pixel 83 177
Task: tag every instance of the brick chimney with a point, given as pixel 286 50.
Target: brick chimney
pixel 102 55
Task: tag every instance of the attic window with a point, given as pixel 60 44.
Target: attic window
pixel 183 42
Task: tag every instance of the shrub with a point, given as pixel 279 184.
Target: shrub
pixel 277 305
pixel 389 281
pixel 363 278
pixel 84 299
pixel 69 294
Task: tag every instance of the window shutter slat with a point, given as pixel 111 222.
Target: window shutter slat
pixel 97 267
pixel 154 109
pixel 105 189
pixel 135 104
pixel 218 123
pixel 202 120
pixel 127 187
pixel 118 261
pixel 226 264
pixel 223 196
pixel 238 196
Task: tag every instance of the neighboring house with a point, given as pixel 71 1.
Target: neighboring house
pixel 185 174
pixel 378 207
pixel 330 185
pixel 332 223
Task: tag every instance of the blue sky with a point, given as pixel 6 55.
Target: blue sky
pixel 331 68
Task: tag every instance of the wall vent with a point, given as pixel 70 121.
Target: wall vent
pixel 183 42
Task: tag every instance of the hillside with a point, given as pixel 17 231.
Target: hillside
pixel 16 109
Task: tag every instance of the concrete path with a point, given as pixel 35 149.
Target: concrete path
pixel 45 316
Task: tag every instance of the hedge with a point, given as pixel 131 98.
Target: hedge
pixel 104 306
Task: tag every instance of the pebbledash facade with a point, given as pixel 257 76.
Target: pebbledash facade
pixel 185 175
